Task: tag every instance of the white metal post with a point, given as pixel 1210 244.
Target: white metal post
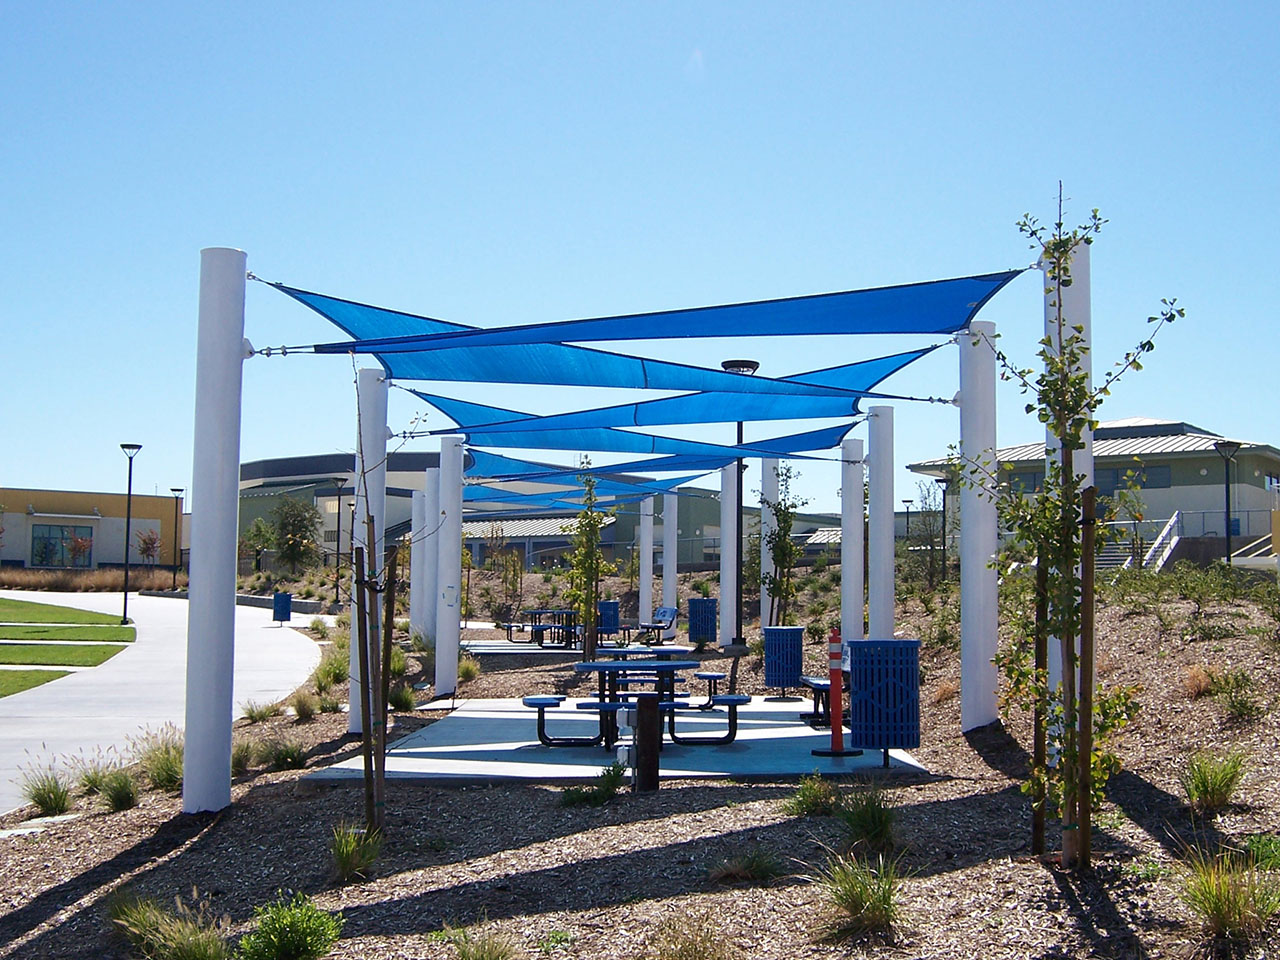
pixel 728 552
pixel 1077 311
pixel 978 578
pixel 371 501
pixel 880 533
pixel 215 490
pixel 417 554
pixel 768 524
pixel 852 498
pixel 449 569
pixel 431 553
pixel 646 559
pixel 670 553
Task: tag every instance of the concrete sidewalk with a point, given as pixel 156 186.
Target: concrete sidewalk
pixel 142 686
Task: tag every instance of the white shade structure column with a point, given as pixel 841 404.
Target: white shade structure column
pixel 449 566
pixel 852 498
pixel 978 580
pixel 431 551
pixel 417 553
pixel 768 524
pixel 670 553
pixel 646 560
pixel 1077 311
pixel 215 491
pixel 880 527
pixel 728 552
pixel 371 501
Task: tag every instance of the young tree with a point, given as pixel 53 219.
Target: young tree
pixel 587 564
pixel 148 545
pixel 784 551
pixel 295 525
pixel 1072 761
pixel 256 540
pixel 79 548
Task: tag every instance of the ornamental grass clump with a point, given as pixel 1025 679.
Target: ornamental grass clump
pixel 283 754
pixel 119 791
pixel 256 712
pixel 242 753
pixel 692 937
pixel 401 697
pixel 188 932
pixel 468 667
pixel 305 705
pixel 814 797
pixel 868 819
pixel 1210 781
pixel 864 894
pixel 48 789
pixel 479 946
pixel 757 865
pixel 159 752
pixel 1234 900
pixel 597 794
pixel 291 929
pixel 354 851
pixel 93 770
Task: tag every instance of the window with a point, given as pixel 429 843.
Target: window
pixel 59 545
pixel 1156 478
pixel 1026 481
pixel 1273 481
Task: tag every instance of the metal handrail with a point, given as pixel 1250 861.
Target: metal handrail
pixel 1164 543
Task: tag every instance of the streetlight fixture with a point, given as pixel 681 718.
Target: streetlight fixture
pixel 177 555
pixel 907 504
pixel 1227 450
pixel 743 368
pixel 130 451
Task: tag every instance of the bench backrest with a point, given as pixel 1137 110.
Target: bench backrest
pixel 665 615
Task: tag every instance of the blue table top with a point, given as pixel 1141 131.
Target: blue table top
pixel 625 666
pixel 622 653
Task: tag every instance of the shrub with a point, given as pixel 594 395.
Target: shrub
pixel 320 627
pixel 755 646
pixel 291 929
pixel 1234 690
pixel 481 946
pixel 93 771
pixel 701 588
pixel 1233 899
pixel 946 690
pixel 868 819
pixel 399 662
pixel 814 796
pixel 283 754
pixel 863 893
pixel 332 669
pixel 1210 781
pixel 757 865
pixel 48 789
pixel 354 851
pixel 604 789
pixel 257 712
pixel 189 932
pixel 468 667
pixel 692 937
pixel 242 752
pixel 330 705
pixel 401 697
pixel 1264 850
pixel 343 620
pixel 160 754
pixel 119 791
pixel 305 704
pixel 1198 681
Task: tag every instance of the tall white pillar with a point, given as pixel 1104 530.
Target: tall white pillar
pixel 371 501
pixel 670 553
pixel 449 569
pixel 1077 311
pixel 215 490
pixel 880 532
pixel 768 524
pixel 728 552
pixel 431 552
pixel 978 578
pixel 417 554
pixel 646 560
pixel 852 498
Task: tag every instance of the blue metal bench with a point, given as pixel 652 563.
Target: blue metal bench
pixel 664 618
pixel 730 700
pixel 551 702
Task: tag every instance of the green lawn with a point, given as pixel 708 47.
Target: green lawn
pixel 24 611
pixel 57 655
pixel 91 632
pixel 15 681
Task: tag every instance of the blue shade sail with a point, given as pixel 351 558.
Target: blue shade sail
pixel 667 464
pixel 938 306
pixel 546 363
pixel 724 408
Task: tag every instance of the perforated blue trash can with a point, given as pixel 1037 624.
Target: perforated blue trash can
pixel 702 620
pixel 884 694
pixel 607 622
pixel 281 607
pixel 783 656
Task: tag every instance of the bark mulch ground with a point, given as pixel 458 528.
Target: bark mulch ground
pixel 601 882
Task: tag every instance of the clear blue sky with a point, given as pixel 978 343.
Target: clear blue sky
pixel 499 163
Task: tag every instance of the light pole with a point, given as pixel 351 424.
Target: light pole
pixel 1227 450
pixel 177 555
pixel 130 451
pixel 907 504
pixel 337 539
pixel 744 368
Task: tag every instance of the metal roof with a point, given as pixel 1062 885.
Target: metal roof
pixel 824 535
pixel 525 527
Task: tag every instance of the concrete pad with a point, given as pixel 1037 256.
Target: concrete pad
pixel 497 740
pixel 142 686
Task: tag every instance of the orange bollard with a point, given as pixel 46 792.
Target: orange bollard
pixel 835 705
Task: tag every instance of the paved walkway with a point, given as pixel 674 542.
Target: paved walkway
pixel 142 686
pixel 484 741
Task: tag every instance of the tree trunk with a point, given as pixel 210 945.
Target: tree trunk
pixel 359 604
pixel 1085 777
pixel 1040 734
